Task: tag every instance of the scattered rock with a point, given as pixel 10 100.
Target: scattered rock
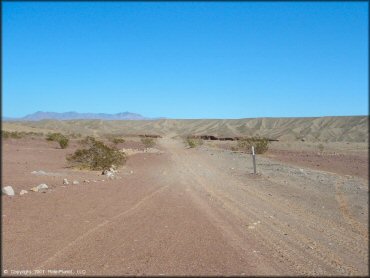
pixel 40 188
pixel 65 181
pixel 113 169
pixel 109 174
pixel 131 172
pixel 8 190
pixel 86 181
pixel 75 182
pixel 43 173
pixel 38 172
pixel 23 192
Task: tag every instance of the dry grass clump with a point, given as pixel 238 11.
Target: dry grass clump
pixel 117 140
pixel 58 137
pixel 148 142
pixel 96 156
pixel 194 142
pixel 260 144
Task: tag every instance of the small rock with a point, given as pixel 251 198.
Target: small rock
pixel 131 172
pixel 38 172
pixel 86 181
pixel 65 181
pixel 109 174
pixel 39 188
pixel 113 170
pixel 8 190
pixel 75 182
pixel 23 192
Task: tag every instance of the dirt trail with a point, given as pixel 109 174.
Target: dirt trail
pixel 194 212
pixel 291 235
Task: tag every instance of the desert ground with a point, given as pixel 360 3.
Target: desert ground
pixel 191 211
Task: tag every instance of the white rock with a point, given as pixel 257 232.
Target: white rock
pixel 42 186
pixel 75 182
pixel 86 181
pixel 39 188
pixel 131 172
pixel 23 192
pixel 8 190
pixel 39 172
pixel 111 169
pixel 65 181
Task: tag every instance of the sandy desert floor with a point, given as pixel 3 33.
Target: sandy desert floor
pixel 187 212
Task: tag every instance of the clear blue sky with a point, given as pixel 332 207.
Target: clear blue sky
pixel 186 60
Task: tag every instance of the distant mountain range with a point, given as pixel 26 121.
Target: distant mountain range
pixel 38 116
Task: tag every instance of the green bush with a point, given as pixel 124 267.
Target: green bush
pixel 260 144
pixel 54 136
pixel 96 155
pixel 12 134
pixel 63 142
pixel 194 142
pixel 148 142
pixel 58 137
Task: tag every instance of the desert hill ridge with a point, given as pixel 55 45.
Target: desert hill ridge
pixel 326 129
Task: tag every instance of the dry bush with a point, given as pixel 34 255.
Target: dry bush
pixel 19 134
pixel 148 142
pixel 194 142
pixel 96 155
pixel 117 140
pixel 260 144
pixel 321 148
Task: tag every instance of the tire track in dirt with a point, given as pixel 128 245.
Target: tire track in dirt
pixel 97 227
pixel 347 243
pixel 344 208
pixel 234 235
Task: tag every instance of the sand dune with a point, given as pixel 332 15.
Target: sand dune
pixel 331 129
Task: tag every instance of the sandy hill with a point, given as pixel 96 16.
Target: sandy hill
pixel 331 129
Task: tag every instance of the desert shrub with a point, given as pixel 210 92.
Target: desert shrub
pixel 117 140
pixel 320 147
pixel 260 144
pixel 96 155
pixel 58 137
pixel 63 142
pixel 12 134
pixel 53 136
pixel 5 134
pixel 194 142
pixel 148 142
pixel 75 135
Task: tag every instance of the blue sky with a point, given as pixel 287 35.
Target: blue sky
pixel 186 60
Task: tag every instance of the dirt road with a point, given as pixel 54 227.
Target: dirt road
pixel 191 212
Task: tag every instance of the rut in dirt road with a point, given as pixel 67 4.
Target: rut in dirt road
pixel 288 237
